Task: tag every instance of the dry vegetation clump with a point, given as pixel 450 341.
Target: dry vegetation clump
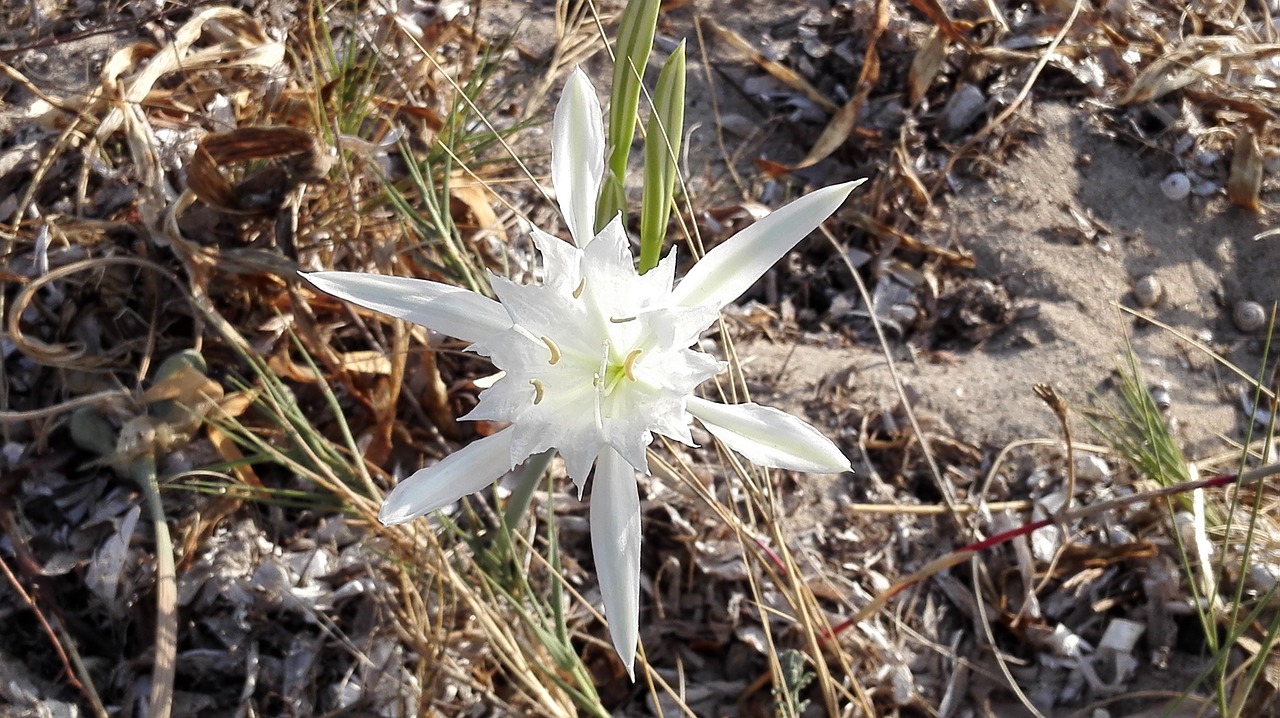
pixel 164 176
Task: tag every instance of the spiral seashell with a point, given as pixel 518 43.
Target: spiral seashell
pixel 1176 186
pixel 1248 316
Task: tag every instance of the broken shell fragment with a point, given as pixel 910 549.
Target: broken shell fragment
pixel 1248 316
pixel 1146 291
pixel 1176 186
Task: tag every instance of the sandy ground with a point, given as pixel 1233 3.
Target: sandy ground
pixel 1019 227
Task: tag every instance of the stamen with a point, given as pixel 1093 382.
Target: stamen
pixel 555 350
pixel 621 320
pixel 537 390
pixel 582 284
pixel 628 364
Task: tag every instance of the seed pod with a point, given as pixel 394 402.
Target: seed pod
pixel 1147 291
pixel 1248 316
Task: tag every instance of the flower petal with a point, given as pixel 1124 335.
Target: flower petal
pixel 458 474
pixel 731 268
pixel 615 544
pixel 560 261
pixel 769 436
pixel 577 156
pixel 444 308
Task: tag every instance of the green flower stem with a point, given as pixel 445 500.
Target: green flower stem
pixel 635 41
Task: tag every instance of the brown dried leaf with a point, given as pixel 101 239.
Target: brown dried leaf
pixel 478 201
pixel 1245 181
pixel 942 21
pixel 366 362
pixel 187 386
pixel 926 65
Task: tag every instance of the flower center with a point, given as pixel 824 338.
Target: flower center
pixel 612 371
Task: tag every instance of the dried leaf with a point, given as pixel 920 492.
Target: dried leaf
pixel 926 65
pixel 1245 181
pixel 942 21
pixel 479 202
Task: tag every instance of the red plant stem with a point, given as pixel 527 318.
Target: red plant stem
pixel 964 552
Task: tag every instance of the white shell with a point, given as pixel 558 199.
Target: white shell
pixel 1249 316
pixel 1176 186
pixel 1147 291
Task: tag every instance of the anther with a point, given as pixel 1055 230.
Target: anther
pixel 555 350
pixel 628 364
pixel 537 390
pixel 582 284
pixel 621 320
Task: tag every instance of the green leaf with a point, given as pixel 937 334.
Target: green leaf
pixel 635 41
pixel 661 158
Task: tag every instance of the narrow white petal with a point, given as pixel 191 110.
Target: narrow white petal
pixel 615 544
pixel 769 436
pixel 444 308
pixel 463 472
pixel 577 156
pixel 732 267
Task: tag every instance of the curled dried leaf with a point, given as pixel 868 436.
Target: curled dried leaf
pixel 926 65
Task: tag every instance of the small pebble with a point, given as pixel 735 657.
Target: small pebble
pixel 966 103
pixel 1248 316
pixel 1146 291
pixel 1205 188
pixel 1176 186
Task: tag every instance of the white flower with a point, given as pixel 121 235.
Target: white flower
pixel 597 359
